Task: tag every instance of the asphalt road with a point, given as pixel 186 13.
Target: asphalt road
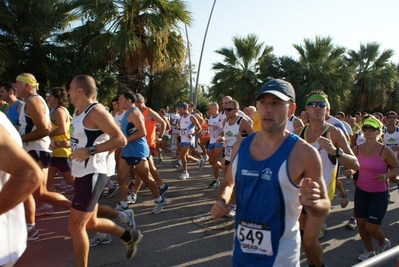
pixel 185 235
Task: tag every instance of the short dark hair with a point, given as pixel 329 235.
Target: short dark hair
pixel 129 95
pixel 8 87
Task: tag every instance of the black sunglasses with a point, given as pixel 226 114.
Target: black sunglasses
pixel 314 104
pixel 367 128
pixel 228 109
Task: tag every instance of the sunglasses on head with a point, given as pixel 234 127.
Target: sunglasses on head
pixel 314 104
pixel 48 94
pixel 228 109
pixel 369 128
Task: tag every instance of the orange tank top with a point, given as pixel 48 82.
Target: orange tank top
pixel 150 127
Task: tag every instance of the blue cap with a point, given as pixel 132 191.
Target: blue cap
pixel 279 88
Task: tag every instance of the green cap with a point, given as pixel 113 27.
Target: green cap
pixel 372 122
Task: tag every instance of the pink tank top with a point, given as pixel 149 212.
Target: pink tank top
pixel 369 168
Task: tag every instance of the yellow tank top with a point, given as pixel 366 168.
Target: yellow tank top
pixel 62 152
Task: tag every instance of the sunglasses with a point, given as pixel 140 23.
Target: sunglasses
pixel 228 109
pixel 314 104
pixel 369 129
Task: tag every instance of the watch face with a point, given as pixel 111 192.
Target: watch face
pixel 339 152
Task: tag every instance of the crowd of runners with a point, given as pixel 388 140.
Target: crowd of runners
pixel 89 146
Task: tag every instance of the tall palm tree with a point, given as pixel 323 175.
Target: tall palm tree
pixel 374 76
pixel 324 68
pixel 238 74
pixel 135 35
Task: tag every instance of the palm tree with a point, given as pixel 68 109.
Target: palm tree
pixel 324 68
pixel 374 76
pixel 137 36
pixel 238 74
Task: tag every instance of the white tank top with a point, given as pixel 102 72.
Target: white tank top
pixel 84 137
pixel 186 128
pixel 118 118
pixel 12 223
pixel 290 124
pixel 230 132
pixel 391 139
pixel 27 126
pixel 215 127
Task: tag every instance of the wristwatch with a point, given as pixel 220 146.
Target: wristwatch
pixel 338 152
pixel 92 150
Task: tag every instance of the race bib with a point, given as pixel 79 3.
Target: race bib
pixel 74 144
pixel 254 238
pixel 183 132
pixel 228 150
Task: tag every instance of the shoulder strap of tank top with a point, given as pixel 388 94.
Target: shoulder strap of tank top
pixel 302 132
pixel 92 105
pixel 239 120
pixel 382 148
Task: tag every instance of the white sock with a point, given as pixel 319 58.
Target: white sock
pixel 110 184
pixel 123 204
pixel 159 199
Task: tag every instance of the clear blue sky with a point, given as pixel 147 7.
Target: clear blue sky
pixel 281 23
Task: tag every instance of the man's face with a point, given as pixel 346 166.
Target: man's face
pixel 115 106
pixel 212 110
pixel 224 101
pixel 20 88
pixel 230 110
pixel 182 111
pixel 3 94
pixel 317 109
pixel 123 102
pixel 274 112
pixel 391 119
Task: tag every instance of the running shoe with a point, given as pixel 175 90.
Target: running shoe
pixel 119 207
pixel 159 206
pixel 366 255
pixel 201 164
pixel 215 184
pixel 44 209
pixel 129 221
pixel 232 212
pixel 352 223
pixel 111 191
pixel 184 176
pixel 33 233
pixel 163 190
pixel 131 199
pixel 100 238
pixel 385 246
pixel 131 246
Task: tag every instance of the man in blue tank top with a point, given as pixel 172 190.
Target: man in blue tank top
pixel 7 93
pixel 274 174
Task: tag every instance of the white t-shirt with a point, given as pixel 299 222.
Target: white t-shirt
pixel 12 223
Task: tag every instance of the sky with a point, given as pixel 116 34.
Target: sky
pixel 282 23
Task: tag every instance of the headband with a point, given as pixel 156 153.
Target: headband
pixel 28 80
pixel 317 97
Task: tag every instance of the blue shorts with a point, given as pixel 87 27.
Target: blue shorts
pixel 88 190
pixel 191 144
pixel 370 205
pixel 133 160
pixel 214 145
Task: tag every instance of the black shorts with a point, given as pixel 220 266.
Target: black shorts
pixel 131 161
pixel 86 197
pixel 61 163
pixel 371 206
pixel 43 156
pixel 226 162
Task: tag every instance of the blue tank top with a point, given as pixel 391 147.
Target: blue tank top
pixel 13 114
pixel 268 207
pixel 137 148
